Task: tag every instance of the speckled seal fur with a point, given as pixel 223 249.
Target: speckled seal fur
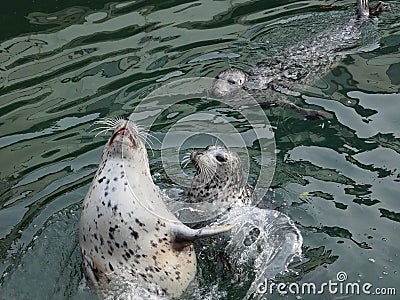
pixel 289 72
pixel 126 232
pixel 219 178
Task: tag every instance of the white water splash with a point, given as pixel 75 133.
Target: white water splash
pixel 262 244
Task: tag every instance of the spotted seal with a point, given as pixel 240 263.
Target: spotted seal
pixel 126 232
pixel 219 178
pixel 264 241
pixel 274 78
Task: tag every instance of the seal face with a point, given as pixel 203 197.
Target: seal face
pixel 218 178
pixel 227 82
pixel 126 233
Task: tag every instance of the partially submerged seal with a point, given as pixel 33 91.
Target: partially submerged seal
pixel 126 232
pixel 264 241
pixel 273 79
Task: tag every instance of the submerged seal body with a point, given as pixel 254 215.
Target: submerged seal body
pixel 126 233
pixel 219 178
pixel 273 79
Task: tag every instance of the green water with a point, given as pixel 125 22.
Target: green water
pixel 65 64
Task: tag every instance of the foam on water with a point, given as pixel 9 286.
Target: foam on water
pixel 262 244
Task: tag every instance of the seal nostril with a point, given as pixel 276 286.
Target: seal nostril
pixel 123 131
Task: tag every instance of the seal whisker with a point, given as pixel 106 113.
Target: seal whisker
pixel 216 141
pixel 149 135
pixel 101 127
pixel 106 122
pixel 148 142
pixel 186 160
pixel 140 127
pixel 186 163
pixel 207 173
pixel 109 125
pixel 144 137
pixel 111 121
pixel 100 132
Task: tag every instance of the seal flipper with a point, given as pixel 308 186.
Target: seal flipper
pixel 184 234
pixel 378 9
pixel 89 268
pixel 363 8
pixel 364 11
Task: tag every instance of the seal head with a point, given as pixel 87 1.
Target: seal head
pixel 227 82
pixel 218 178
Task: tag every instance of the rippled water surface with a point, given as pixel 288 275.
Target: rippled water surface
pixel 65 64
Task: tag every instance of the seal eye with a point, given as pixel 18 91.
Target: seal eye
pixel 231 81
pixel 221 158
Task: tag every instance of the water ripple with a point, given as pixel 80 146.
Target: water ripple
pixel 64 66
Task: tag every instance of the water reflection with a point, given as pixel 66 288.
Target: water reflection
pixel 69 67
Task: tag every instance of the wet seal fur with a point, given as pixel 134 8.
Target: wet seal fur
pixel 126 232
pixel 264 241
pixel 219 178
pixel 282 75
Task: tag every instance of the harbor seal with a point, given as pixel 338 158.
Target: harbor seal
pixel 219 178
pixel 228 82
pixel 126 233
pixel 272 80
pixel 264 241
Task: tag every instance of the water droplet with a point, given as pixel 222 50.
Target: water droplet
pixel 371 260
